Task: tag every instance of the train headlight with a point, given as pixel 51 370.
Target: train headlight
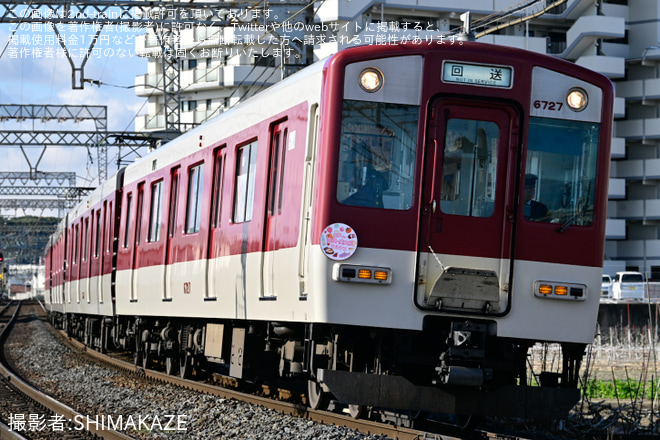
pixel 371 80
pixel 352 273
pixel 577 99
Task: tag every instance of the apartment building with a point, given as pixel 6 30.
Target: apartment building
pixel 619 38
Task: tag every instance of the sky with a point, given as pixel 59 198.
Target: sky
pixel 32 72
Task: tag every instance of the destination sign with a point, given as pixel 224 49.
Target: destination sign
pixel 477 74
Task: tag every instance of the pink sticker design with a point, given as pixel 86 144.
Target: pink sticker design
pixel 339 241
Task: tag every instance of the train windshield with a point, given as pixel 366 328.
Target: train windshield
pixel 469 168
pixel 560 174
pixel 377 155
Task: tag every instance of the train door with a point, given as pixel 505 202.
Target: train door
pixel 467 212
pixel 171 229
pixel 305 233
pixel 136 243
pixel 98 250
pixel 273 214
pixel 215 245
pixel 85 263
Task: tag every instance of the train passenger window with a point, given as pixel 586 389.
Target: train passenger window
pixel 218 177
pixel 129 201
pixel 276 179
pixel 469 166
pixel 377 155
pixel 108 239
pixel 246 165
pixel 174 201
pixel 285 147
pixel 138 215
pixel 560 173
pixel 76 244
pixel 155 212
pixel 86 240
pixel 97 239
pixel 194 204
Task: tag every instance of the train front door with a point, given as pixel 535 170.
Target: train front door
pixel 467 207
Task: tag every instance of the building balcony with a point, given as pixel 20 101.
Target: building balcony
pixel 639 169
pixel 213 78
pixel 617 189
pixel 587 30
pixel 188 119
pixel 640 90
pixel 149 123
pixel 638 209
pixel 611 67
pixel 615 229
pixel 638 248
pixel 619 107
pixel 639 129
pixel 534 44
pixel 618 150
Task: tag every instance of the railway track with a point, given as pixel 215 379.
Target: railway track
pixel 27 413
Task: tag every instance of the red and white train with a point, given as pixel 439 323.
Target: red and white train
pixel 395 227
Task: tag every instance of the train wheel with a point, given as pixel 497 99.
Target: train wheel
pixel 137 357
pixel 185 366
pixel 356 411
pixel 147 357
pixel 317 398
pixel 171 365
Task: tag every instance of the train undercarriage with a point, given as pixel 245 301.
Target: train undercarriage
pixel 452 366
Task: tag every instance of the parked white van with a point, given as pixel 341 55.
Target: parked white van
pixel 628 285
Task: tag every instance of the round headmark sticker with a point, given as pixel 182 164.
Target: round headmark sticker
pixel 338 241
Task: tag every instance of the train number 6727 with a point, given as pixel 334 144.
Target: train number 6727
pixel 548 105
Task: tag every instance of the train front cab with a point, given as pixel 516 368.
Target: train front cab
pixel 487 218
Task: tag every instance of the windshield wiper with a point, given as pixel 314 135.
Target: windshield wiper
pixel 572 220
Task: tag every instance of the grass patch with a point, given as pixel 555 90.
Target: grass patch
pixel 619 389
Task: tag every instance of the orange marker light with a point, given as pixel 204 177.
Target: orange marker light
pixel 365 274
pixel 380 275
pixel 545 289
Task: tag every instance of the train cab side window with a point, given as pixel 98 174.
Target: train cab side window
pixel 194 204
pixel 469 168
pixel 560 171
pixel 246 165
pixel 129 202
pixel 155 212
pixel 377 155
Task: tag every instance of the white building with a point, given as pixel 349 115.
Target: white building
pixel 619 38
